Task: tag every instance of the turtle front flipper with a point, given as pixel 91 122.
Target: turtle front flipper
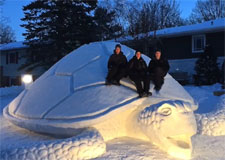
pixel 88 144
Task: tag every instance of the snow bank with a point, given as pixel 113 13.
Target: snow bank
pixel 188 65
pixel 210 115
pixel 203 95
pixel 13 90
pixel 87 145
pixel 7 94
pixel 213 123
pixel 205 147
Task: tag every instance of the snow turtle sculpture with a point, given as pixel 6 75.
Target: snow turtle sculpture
pixel 70 99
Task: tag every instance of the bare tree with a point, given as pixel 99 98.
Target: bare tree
pixel 6 33
pixel 2 2
pixel 120 8
pixel 206 10
pixel 154 15
pixel 141 17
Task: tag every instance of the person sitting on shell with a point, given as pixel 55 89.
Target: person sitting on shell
pixel 158 68
pixel 137 69
pixel 117 67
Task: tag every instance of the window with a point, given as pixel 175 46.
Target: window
pixel 198 43
pixel 12 58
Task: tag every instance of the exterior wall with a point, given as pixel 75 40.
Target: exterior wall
pixel 10 75
pixel 217 41
pixel 181 47
pixel 178 47
pixel 11 69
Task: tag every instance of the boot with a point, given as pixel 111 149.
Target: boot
pixel 140 95
pixel 148 93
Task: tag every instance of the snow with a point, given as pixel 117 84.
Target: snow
pixel 11 135
pixel 69 82
pixel 44 98
pixel 188 65
pixel 13 45
pixel 213 123
pixel 210 114
pixel 204 97
pixel 204 147
pixel 85 146
pixel 8 91
pixel 70 98
pixel 75 60
pixel 92 105
pixel 156 120
pixel 207 26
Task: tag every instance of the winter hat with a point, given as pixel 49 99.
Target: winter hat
pixel 118 45
pixel 158 50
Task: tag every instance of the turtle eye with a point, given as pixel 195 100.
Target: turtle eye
pixel 166 111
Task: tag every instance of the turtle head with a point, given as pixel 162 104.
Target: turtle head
pixel 170 125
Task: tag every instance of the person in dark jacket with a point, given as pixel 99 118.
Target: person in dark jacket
pixel 117 67
pixel 158 68
pixel 137 69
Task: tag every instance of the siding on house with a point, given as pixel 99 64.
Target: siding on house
pixel 177 47
pixel 217 41
pixel 11 69
pixel 181 47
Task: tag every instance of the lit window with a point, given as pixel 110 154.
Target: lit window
pixel 198 43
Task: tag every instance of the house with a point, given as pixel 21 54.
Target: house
pixel 183 45
pixel 11 58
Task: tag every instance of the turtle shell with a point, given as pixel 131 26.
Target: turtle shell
pixel 72 93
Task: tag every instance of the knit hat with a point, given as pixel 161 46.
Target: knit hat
pixel 118 45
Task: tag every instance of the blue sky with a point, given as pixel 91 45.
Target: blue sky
pixel 12 9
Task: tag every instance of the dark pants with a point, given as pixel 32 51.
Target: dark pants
pixel 138 79
pixel 116 73
pixel 158 77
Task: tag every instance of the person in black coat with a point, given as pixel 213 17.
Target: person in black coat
pixel 158 68
pixel 137 69
pixel 117 67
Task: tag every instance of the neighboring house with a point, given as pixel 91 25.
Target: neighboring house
pixel 11 58
pixel 183 45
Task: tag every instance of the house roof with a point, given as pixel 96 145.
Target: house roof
pixel 205 27
pixel 12 46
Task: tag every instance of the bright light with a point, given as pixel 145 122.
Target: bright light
pixel 27 78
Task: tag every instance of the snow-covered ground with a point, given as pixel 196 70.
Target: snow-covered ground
pixel 204 147
pixel 10 135
pixel 204 96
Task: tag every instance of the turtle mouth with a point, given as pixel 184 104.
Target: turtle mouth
pixel 180 146
pixel 181 141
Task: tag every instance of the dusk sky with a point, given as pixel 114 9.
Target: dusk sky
pixel 12 9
